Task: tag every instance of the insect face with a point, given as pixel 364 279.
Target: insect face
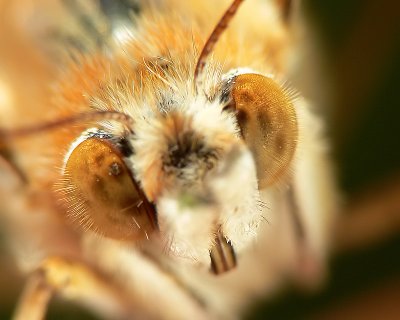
pixel 189 156
pixel 188 162
pixel 185 155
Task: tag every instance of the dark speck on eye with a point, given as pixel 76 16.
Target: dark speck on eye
pixel 114 169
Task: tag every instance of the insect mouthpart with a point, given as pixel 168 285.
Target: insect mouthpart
pixel 222 254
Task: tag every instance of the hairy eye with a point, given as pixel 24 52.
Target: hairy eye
pixel 102 195
pixel 268 124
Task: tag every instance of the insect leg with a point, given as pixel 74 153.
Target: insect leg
pixel 11 169
pixel 73 281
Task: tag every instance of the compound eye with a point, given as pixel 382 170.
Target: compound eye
pixel 268 124
pixel 101 194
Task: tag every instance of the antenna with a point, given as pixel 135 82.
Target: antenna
pixel 215 35
pixel 81 117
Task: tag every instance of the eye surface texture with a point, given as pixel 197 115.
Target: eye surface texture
pixel 101 194
pixel 267 121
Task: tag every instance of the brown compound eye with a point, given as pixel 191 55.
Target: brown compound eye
pixel 268 124
pixel 101 194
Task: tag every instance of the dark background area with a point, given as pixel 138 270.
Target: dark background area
pixel 361 41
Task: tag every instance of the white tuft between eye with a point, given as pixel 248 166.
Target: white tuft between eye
pixel 233 210
pixel 189 228
pixel 238 193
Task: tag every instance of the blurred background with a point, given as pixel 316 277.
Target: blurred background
pixel 361 45
pixel 361 41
